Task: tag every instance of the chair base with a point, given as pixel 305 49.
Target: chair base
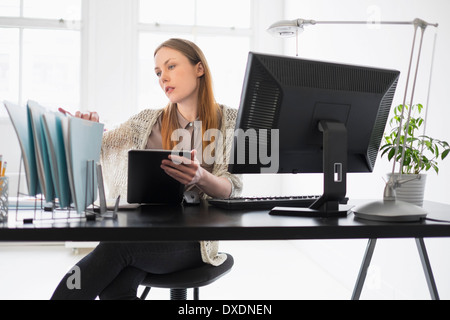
pixel 175 294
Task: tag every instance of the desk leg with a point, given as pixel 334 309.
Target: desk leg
pixel 363 271
pixel 427 268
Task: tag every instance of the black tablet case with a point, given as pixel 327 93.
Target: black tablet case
pixel 148 183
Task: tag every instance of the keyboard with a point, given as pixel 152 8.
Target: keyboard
pixel 263 203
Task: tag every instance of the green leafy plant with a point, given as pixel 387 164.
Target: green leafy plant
pixel 422 153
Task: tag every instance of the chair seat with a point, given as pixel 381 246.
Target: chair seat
pixel 190 278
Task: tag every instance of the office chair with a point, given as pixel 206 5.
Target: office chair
pixel 179 282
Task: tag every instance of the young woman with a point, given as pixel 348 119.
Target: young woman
pixel 115 270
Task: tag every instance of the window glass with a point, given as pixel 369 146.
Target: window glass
pixel 218 13
pixel 52 9
pixel 51 67
pixel 215 13
pixel 9 66
pixel 10 8
pixel 179 12
pixel 227 66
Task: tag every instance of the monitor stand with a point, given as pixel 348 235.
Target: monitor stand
pixel 334 173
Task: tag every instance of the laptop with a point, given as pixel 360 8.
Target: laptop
pixel 148 183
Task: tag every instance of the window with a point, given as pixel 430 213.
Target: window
pixel 9 62
pixel 222 29
pixel 214 13
pixel 40 52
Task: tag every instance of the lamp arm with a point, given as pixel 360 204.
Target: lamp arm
pixel 411 101
pixel 400 128
pixel 365 22
pixel 390 193
pixel 416 22
pixel 300 23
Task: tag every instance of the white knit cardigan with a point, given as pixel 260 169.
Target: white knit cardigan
pixel 133 135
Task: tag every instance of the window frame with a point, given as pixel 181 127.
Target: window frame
pixel 195 29
pixel 21 23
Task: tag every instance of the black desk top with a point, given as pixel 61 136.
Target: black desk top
pixel 204 222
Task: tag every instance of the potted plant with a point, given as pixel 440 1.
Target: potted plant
pixel 421 152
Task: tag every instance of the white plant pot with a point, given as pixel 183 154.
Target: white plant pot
pixel 413 190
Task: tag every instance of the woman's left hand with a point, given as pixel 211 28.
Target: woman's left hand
pixel 92 116
pixel 186 171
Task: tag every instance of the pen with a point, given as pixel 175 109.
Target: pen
pixel 65 112
pixel 2 172
pixel 4 168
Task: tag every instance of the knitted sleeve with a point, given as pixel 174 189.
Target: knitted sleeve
pixel 130 135
pixel 221 167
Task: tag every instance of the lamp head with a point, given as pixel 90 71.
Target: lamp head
pixel 288 28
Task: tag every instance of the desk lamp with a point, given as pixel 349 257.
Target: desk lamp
pixel 389 209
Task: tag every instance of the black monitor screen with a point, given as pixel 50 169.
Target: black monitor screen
pixel 284 99
pixel 292 95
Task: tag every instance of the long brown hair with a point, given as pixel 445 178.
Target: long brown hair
pixel 208 109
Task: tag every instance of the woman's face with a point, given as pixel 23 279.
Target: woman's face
pixel 178 78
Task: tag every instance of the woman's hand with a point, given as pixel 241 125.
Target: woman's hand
pixel 92 116
pixel 190 172
pixel 186 171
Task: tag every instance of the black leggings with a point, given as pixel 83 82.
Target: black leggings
pixel 114 271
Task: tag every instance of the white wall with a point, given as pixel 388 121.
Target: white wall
pixel 110 56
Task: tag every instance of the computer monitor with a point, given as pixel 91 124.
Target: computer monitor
pixel 305 116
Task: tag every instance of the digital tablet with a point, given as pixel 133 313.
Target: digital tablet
pixel 148 183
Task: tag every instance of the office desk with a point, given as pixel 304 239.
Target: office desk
pixel 178 223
